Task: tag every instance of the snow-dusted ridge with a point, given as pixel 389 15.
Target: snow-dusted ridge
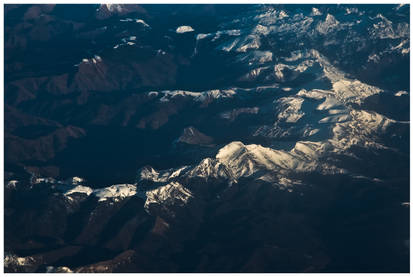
pixel 197 96
pixel 348 127
pixel 236 160
pixel 115 192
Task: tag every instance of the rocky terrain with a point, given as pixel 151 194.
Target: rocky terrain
pixel 207 138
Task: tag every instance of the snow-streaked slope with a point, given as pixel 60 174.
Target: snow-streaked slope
pixel 276 131
pixel 289 109
pixel 362 130
pixel 172 193
pixel 246 160
pixel 210 169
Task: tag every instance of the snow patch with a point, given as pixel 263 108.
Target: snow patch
pixel 140 21
pixel 315 12
pixel 12 184
pixel 115 192
pixel 79 189
pixel 202 36
pixel 184 29
pixel 11 260
pixel 400 93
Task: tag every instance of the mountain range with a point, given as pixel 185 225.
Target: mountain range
pixel 207 138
